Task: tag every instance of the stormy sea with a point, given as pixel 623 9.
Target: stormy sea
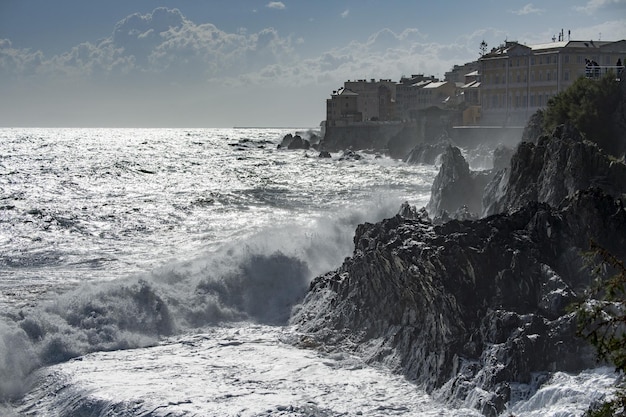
pixel 153 272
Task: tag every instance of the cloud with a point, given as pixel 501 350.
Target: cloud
pixel 528 9
pixel 278 5
pixel 166 47
pixel 162 44
pixel 345 13
pixel 594 5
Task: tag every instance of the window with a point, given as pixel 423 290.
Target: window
pixel 566 75
pixel 566 59
pixel 548 76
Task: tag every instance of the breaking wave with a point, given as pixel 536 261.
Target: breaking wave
pixel 258 280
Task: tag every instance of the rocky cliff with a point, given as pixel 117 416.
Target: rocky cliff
pixel 467 307
pixel 551 169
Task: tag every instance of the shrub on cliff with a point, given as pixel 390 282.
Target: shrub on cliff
pixel 590 106
pixel 602 321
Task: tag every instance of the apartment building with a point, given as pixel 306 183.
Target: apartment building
pixel 385 100
pixel 517 80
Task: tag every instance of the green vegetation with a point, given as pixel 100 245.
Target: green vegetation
pixel 602 321
pixel 589 104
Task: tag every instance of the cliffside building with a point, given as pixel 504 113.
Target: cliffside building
pixel 387 101
pixel 517 80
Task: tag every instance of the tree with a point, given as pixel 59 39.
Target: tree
pixel 589 105
pixel 602 320
pixel 483 48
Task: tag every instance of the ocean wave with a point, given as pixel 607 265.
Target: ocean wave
pixel 259 279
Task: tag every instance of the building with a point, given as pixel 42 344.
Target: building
pixel 516 80
pixel 458 73
pixel 376 99
pixel 342 108
pixel 408 97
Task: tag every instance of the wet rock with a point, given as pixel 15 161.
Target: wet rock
pixel 456 188
pixel 350 155
pixel 292 142
pixel 427 153
pixel 467 307
pixel 553 169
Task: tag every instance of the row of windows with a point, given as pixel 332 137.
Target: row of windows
pixel 552 60
pixel 521 77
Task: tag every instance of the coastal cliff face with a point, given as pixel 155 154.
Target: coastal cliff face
pixel 467 307
pixel 551 169
pixel 470 308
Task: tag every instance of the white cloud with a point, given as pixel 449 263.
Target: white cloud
pixel 278 5
pixel 162 44
pixel 528 9
pixel 594 5
pixel 345 13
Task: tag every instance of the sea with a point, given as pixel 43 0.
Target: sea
pixel 152 272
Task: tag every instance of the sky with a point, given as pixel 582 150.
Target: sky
pixel 248 63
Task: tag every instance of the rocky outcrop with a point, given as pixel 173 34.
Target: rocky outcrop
pixel 456 188
pixel 467 307
pixel 427 153
pixel 552 169
pixel 292 142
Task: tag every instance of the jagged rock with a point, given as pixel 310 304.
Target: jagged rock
pixel 427 153
pixel 552 169
pixel 411 212
pixel 502 157
pixel 324 154
pixel 299 143
pixel 467 307
pixel 292 142
pixel 455 186
pixel 350 155
pixel 534 128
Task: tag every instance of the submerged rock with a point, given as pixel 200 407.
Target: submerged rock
pixel 467 307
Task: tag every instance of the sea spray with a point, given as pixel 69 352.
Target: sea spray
pixel 258 280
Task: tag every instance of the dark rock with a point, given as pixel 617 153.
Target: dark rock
pixel 427 153
pixel 324 154
pixel 502 157
pixel 298 143
pixel 456 188
pixel 350 155
pixel 468 307
pixel 534 127
pixel 552 169
pixel 292 142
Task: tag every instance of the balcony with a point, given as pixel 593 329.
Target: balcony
pixel 599 71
